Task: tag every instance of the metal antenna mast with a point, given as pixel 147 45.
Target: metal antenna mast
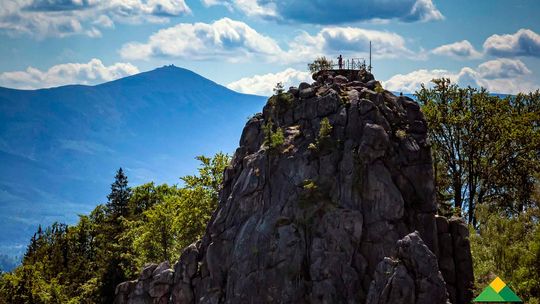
pixel 370 56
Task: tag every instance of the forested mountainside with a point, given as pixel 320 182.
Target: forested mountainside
pixel 60 146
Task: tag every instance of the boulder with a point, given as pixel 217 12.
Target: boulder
pixel 293 91
pixel 372 84
pixel 412 276
pixel 303 86
pixel 307 93
pixel 340 79
pixel 462 260
pixel 154 285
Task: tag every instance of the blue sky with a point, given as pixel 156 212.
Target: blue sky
pixel 249 45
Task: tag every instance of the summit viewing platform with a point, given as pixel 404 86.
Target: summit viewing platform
pixel 352 68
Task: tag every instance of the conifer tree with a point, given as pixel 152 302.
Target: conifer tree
pixel 119 197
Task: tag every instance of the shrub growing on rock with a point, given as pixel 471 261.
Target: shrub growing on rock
pixel 320 64
pixel 378 88
pixel 323 139
pixel 273 139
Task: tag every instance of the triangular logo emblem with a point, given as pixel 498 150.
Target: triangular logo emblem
pixel 497 291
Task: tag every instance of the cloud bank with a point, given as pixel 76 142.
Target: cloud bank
pixel 60 18
pixel 348 41
pixel 522 43
pixel 264 84
pixel 92 72
pixel 231 40
pixel 461 49
pixel 335 12
pixel 498 76
pixel 223 39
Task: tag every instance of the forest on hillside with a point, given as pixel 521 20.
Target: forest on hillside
pixel 486 156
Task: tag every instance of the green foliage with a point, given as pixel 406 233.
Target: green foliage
pixel 378 88
pixel 84 263
pixel 320 64
pixel 314 194
pixel 286 100
pixel 145 196
pixel 273 139
pixel 152 237
pixel 310 193
pixel 119 196
pixel 344 98
pixel 278 89
pixel 180 217
pixel 323 140
pixel 325 129
pixel 277 138
pixel 485 148
pixel 281 100
pixel 55 270
pixel 210 174
pixel 486 164
pixel 401 134
pixel 508 247
pixel 113 263
pixel 310 186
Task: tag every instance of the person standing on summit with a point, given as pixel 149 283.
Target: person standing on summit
pixel 340 62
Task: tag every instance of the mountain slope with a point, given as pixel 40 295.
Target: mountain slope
pixel 59 147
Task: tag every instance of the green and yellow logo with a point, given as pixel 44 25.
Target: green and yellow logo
pixel 497 291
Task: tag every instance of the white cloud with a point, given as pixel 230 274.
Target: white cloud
pixel 423 10
pixel 263 84
pixel 68 73
pixel 93 33
pixel 461 49
pixel 502 68
pixel 498 76
pixel 231 40
pixel 265 9
pixel 335 12
pixel 225 39
pixel 60 18
pixel 349 41
pixel 84 146
pixel 103 21
pixel 411 82
pixel 522 43
pixel 211 2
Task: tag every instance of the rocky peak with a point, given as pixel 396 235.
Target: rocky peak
pixel 328 199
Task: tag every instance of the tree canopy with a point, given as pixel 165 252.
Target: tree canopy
pixel 83 263
pixel 320 64
pixel 486 156
pixel 486 148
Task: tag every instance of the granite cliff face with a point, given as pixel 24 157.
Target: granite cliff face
pixel 341 210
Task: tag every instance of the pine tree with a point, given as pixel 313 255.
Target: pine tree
pixel 119 197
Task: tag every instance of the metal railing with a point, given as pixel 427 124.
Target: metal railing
pixel 351 64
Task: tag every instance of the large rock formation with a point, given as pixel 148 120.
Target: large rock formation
pixel 341 211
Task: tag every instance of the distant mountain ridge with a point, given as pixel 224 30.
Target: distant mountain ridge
pixel 59 147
